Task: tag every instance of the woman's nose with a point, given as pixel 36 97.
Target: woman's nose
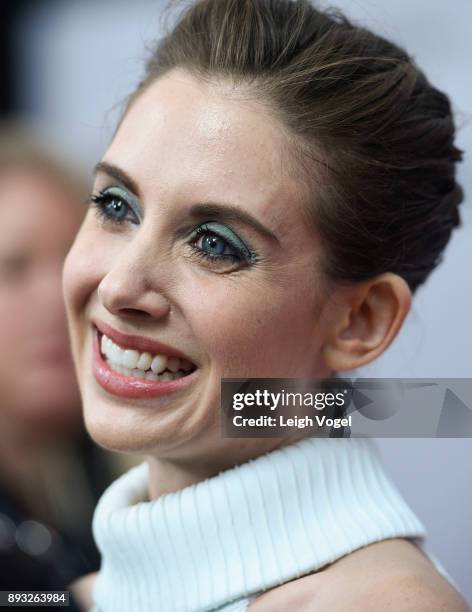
pixel 126 290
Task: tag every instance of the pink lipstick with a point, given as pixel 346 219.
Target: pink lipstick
pixel 129 386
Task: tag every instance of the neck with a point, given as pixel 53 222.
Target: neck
pixel 171 474
pixel 285 514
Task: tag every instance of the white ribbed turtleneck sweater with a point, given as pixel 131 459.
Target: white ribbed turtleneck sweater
pixel 218 543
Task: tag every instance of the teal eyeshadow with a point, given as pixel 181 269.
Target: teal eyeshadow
pixel 224 232
pixel 125 195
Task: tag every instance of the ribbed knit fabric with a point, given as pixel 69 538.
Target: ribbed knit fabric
pixel 217 544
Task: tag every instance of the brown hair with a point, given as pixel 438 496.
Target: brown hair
pixel 384 197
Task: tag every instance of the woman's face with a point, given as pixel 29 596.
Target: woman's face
pixel 39 222
pixel 195 239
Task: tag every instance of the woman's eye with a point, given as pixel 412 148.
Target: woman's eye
pixel 114 207
pixel 218 243
pixel 215 246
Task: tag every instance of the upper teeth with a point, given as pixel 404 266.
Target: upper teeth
pixel 143 365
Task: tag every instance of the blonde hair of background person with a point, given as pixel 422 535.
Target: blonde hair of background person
pixel 279 186
pixel 47 490
pixel 40 199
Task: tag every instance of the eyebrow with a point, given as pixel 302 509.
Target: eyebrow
pixel 226 212
pixel 117 174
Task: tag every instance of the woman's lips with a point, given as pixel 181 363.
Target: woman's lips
pixel 138 342
pixel 130 387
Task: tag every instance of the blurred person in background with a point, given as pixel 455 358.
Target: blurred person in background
pixel 51 473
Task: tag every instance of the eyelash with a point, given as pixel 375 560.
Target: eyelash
pixel 202 230
pixel 100 200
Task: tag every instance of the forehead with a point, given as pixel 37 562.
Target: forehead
pixel 187 138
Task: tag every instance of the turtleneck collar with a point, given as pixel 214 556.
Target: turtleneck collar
pixel 217 543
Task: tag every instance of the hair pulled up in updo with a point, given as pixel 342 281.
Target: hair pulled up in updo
pixel 374 137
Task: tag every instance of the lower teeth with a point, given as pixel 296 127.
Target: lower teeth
pixel 149 375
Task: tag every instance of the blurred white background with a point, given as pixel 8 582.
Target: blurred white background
pixel 77 60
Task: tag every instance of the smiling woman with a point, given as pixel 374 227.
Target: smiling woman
pixel 275 192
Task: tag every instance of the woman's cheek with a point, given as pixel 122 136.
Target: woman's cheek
pixel 231 321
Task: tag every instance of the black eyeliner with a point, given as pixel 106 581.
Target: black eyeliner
pixel 106 194
pixel 245 252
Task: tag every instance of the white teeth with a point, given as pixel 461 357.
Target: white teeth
pixel 114 353
pixel 138 373
pixel 130 362
pixel 159 364
pixel 166 376
pixel 173 364
pixel 130 359
pixel 144 362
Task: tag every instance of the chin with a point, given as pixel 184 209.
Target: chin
pixel 122 429
pixel 113 441
pixel 113 427
pixel 142 431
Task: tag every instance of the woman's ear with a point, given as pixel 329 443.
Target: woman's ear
pixel 369 316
